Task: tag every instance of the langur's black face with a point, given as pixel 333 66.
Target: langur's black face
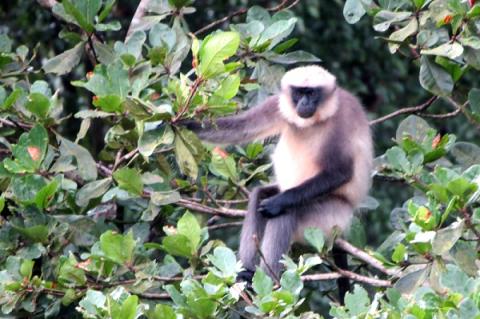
pixel 307 99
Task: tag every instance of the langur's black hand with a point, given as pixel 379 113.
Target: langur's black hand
pixel 271 207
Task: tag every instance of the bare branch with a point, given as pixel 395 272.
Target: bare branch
pixel 441 116
pixel 262 257
pixel 280 6
pixel 226 212
pixel 137 18
pixel 405 110
pixel 348 274
pixel 362 255
pixel 225 225
pixel 462 107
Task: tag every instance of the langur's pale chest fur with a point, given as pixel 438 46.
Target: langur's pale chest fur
pixel 294 158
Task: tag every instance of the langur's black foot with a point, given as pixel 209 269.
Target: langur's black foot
pixel 245 276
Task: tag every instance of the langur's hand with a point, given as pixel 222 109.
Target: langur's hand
pixel 271 207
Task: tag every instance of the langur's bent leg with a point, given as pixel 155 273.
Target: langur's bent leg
pixel 340 259
pixel 276 241
pixel 254 225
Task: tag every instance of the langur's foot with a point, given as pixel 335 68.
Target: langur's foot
pixel 245 276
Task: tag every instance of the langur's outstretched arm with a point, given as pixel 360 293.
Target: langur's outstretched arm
pixel 337 170
pixel 258 122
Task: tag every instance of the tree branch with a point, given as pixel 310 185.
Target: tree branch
pixel 347 274
pixel 137 18
pixel 225 225
pixel 405 110
pixel 362 255
pixel 225 212
pixel 280 6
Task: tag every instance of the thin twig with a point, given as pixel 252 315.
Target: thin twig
pixel 103 170
pixel 462 107
pixel 442 115
pixel 226 212
pixel 225 225
pixel 405 110
pixel 362 255
pixel 193 90
pixel 220 201
pixel 262 257
pixel 340 273
pixel 468 222
pixel 137 18
pixel 280 6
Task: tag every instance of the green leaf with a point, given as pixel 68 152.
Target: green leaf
pixel 45 195
pixel 162 311
pixel 257 13
pixel 314 236
pixel 353 11
pixel 178 245
pixel 292 57
pixel 37 234
pixel 261 283
pixel 448 50
pixel 2 203
pixel 151 139
pixel 29 152
pixel 184 155
pixel 111 79
pixel 84 11
pixel 66 61
pixel 161 35
pixel 224 259
pixel 38 104
pixel 69 272
pixel 128 309
pixel 133 45
pixel 384 19
pixel 474 100
pixel 109 103
pixel 110 26
pixel 189 227
pixel 92 190
pixel 435 79
pixel 12 98
pixel 275 33
pixel 466 154
pixel 86 166
pixel 229 87
pixel 398 159
pixel 214 50
pixel 129 179
pixel 223 165
pixel 401 35
pixel 117 247
pixel 291 282
pixel 357 302
pixel 399 253
pixel 26 268
pixel 456 280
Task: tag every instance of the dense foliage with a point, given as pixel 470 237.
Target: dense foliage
pixel 130 216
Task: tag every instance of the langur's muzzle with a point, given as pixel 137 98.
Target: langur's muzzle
pixel 306 108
